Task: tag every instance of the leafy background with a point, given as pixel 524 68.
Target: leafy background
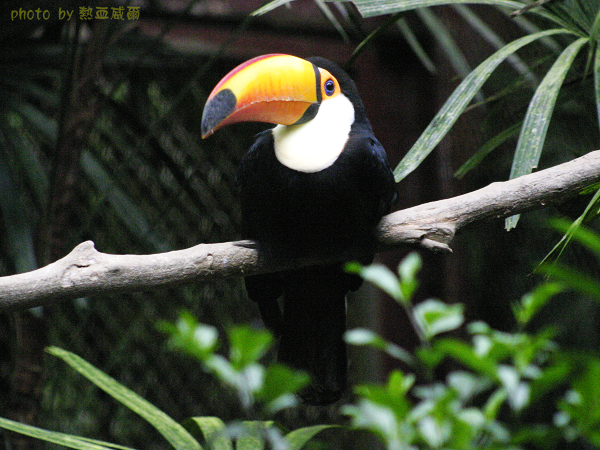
pixel 99 139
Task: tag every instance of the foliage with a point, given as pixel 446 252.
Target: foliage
pixel 497 392
pixel 504 390
pixel 274 387
pixel 576 20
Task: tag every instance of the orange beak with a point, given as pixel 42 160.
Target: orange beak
pixel 275 88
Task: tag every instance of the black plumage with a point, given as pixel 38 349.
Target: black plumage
pixel 293 214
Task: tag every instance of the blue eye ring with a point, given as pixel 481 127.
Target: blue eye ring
pixel 329 87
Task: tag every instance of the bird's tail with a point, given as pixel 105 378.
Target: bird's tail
pixel 314 322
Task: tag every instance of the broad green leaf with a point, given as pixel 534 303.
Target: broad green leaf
pixel 465 354
pixel 407 270
pixel 279 386
pixel 517 390
pixel 435 317
pixel 188 335
pixel 380 276
pixel 66 440
pixel 532 302
pixel 391 398
pixel 370 8
pixel 38 122
pixel 297 439
pixel 247 345
pixel 582 403
pixel 458 101
pixel 583 283
pixel 363 336
pixel 252 437
pixel 535 126
pixel 214 432
pixel 172 431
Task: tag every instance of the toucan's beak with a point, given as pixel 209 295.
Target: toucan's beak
pixel 276 88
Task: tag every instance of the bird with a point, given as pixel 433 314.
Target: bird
pixel 314 186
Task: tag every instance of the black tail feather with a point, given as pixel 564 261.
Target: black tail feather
pixel 314 322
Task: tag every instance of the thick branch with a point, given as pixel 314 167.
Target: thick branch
pixel 85 271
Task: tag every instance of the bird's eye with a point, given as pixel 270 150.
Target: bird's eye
pixel 329 87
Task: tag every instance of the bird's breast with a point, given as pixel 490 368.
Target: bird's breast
pixel 315 145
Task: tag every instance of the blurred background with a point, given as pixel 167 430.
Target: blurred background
pixel 100 140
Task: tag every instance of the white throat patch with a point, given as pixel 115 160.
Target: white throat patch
pixel 316 144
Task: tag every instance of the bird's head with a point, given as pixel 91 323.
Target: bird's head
pixel 276 88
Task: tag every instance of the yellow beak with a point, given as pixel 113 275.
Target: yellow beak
pixel 275 88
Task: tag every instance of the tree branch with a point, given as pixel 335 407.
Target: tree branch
pixel 85 271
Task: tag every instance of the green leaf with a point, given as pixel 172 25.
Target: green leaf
pixel 407 270
pixel 299 438
pixel 370 8
pixel 29 160
pixel 380 276
pixel 197 339
pixel 393 395
pixel 435 317
pixel 172 431
pixel 585 284
pixel 532 302
pixel 252 437
pixel 465 354
pixel 362 336
pixel 517 390
pixel 458 101
pixel 247 345
pixel 55 437
pixel 535 126
pixel 279 385
pixel 213 430
pixel 582 404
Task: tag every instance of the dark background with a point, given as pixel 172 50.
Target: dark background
pixel 100 139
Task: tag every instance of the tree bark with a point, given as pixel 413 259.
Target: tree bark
pixel 85 271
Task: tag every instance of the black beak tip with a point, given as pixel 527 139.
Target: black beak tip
pixel 217 110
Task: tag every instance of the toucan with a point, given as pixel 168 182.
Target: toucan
pixel 314 186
